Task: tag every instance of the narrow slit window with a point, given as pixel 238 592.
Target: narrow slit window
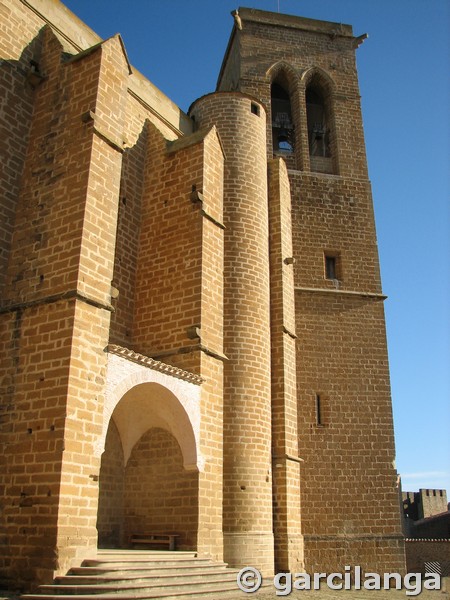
pixel 318 410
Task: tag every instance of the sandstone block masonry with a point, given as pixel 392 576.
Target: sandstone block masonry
pixel 191 320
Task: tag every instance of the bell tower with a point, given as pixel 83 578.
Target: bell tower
pixel 332 434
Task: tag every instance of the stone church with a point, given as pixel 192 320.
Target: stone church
pixel 192 327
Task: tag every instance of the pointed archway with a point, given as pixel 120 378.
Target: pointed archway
pixel 148 478
pixel 150 460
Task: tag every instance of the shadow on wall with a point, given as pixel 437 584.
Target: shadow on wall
pixel 18 80
pixel 151 493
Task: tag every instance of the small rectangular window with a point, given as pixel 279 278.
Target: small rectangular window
pixel 332 265
pixel 255 109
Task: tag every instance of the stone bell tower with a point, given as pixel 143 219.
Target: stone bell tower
pixel 332 432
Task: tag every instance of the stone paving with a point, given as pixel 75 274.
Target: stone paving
pixel 327 594
pixel 324 594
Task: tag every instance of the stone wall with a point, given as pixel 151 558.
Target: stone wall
pixel 110 517
pixel 160 496
pixel 349 500
pixel 127 234
pixel 428 556
pixel 56 304
pixel 71 111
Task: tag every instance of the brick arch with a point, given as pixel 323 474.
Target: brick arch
pixel 140 398
pixel 149 405
pixel 286 73
pixel 319 76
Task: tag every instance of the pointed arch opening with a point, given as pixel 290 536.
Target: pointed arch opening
pixel 318 129
pixel 283 128
pixel 282 122
pixel 148 477
pixel 320 123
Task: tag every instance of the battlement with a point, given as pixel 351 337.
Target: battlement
pixel 424 503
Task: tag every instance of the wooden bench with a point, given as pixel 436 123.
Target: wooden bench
pixel 165 539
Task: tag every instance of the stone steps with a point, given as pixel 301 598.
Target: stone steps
pixel 142 569
pixel 138 577
pixel 142 575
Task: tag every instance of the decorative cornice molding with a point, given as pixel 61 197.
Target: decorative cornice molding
pixel 151 363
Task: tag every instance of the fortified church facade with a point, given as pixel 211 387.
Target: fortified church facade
pixel 192 327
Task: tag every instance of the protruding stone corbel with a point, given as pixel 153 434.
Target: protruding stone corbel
pixel 196 195
pixel 194 332
pixel 88 116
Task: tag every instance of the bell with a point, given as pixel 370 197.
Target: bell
pixel 283 136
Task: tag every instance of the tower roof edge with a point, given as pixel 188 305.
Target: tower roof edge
pixel 292 21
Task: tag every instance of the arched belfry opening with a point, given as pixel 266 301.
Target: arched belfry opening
pixel 318 131
pixel 283 130
pixel 319 126
pixel 148 481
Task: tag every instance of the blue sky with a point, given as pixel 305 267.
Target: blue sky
pixel 405 87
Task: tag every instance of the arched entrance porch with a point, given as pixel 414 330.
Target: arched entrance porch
pixel 149 476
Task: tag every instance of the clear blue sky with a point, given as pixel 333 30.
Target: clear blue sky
pixel 404 70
